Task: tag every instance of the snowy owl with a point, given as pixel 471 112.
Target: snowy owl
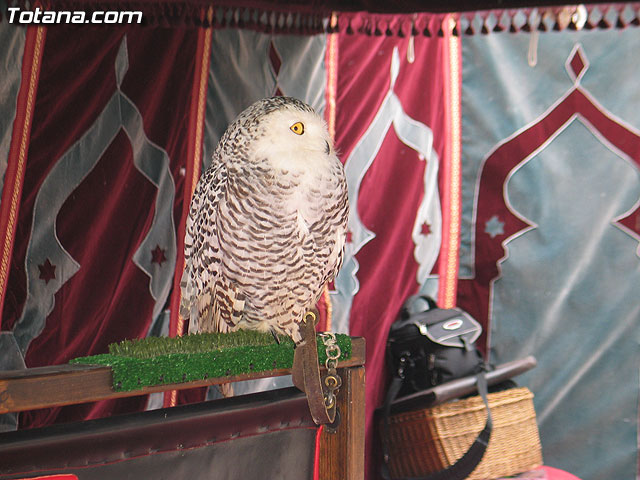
pixel 267 223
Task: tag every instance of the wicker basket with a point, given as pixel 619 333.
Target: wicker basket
pixel 428 440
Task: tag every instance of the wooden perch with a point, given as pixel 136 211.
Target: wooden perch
pixel 58 385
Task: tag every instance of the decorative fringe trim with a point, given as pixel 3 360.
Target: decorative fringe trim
pixel 307 20
pixel 547 19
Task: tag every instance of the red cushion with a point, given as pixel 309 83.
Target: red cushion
pixel 556 474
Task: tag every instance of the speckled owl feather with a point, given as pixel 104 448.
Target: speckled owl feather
pixel 267 223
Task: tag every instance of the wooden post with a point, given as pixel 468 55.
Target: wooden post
pixel 342 448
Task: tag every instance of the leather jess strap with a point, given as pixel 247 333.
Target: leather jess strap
pixel 306 373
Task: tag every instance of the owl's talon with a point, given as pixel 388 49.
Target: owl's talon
pixel 310 315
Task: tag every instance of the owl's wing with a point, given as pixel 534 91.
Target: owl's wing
pixel 339 219
pixel 203 292
pixel 329 228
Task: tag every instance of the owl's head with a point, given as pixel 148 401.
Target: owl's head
pixel 285 131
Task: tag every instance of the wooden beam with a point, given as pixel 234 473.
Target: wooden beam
pixel 53 386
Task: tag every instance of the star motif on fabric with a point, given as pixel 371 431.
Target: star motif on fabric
pixel 425 229
pixel 494 227
pixel 348 237
pixel 47 271
pixel 157 255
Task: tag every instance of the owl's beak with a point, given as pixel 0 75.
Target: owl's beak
pixel 327 147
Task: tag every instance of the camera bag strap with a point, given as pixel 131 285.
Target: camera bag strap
pixel 465 464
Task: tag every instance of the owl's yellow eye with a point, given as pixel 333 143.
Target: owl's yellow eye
pixel 297 128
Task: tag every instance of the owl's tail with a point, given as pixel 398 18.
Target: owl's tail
pixel 187 304
pixel 208 307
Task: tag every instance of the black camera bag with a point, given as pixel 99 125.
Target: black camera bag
pixel 428 348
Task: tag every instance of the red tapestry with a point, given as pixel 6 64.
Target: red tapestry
pixel 103 178
pixel 391 190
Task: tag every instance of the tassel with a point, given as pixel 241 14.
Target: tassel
pixel 588 25
pixel 266 23
pixel 635 21
pixel 367 28
pixel 165 21
pixel 377 32
pixel 305 26
pixel 231 17
pixel 297 23
pixel 262 22
pixel 603 24
pixel 291 23
pixel 307 22
pixel 240 15
pixel 254 19
pixel 220 17
pixel 401 29
pixel 512 25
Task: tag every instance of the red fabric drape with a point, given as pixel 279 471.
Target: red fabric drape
pixel 391 189
pixel 104 219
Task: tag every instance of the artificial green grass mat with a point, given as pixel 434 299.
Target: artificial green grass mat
pixel 163 360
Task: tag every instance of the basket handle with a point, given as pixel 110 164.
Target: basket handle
pixel 465 464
